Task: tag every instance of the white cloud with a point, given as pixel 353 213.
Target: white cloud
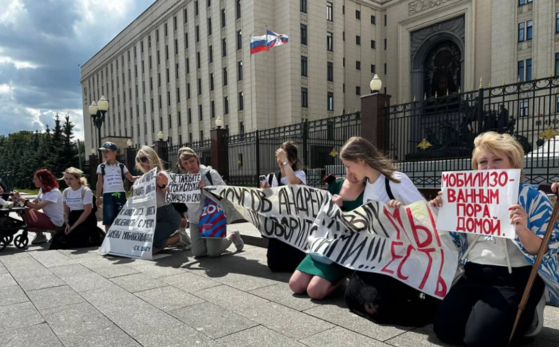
pixel 16 63
pixel 12 11
pixel 5 89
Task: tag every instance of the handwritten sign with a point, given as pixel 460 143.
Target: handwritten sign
pixel 478 202
pixel 183 188
pixel 131 234
pixel 402 243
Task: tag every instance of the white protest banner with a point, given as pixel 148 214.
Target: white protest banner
pixel 131 234
pixel 183 188
pixel 478 202
pixel 402 243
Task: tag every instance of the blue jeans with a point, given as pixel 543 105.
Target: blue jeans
pixel 112 204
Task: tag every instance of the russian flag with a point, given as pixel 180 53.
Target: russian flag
pixel 265 42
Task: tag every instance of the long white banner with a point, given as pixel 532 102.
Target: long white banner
pixel 131 234
pixel 403 243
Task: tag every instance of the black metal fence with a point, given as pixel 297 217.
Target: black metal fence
pixel 434 135
pixel 203 149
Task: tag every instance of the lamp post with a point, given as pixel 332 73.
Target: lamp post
pixel 129 143
pixel 219 122
pixel 97 112
pixel 376 84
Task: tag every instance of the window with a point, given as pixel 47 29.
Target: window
pixel 226 105
pixel 303 6
pixel 385 44
pixel 330 71
pixel 157 35
pixel 223 47
pixel 212 109
pixel 520 32
pixel 187 65
pixel 224 76
pixel 175 23
pixel 521 71
pixel 201 135
pixel 189 116
pixel 160 102
pixel 238 9
pixel 330 99
pixel 528 69
pixel 240 71
pixel 329 11
pixel 241 101
pixel 529 30
pixel 524 108
pixel 358 65
pixel 358 40
pixel 304 97
pixel 197 33
pixel 211 81
pixel 239 40
pixel 209 26
pixel 330 42
pixel 167 73
pixel 190 137
pixel 200 115
pixel 165 28
pixel 199 86
pixel 179 118
pixel 373 20
pixel 357 14
pixel 556 23
pixel 188 90
pixel 303 34
pixel 166 52
pixel 158 58
pixel 385 70
pixel 185 15
pixel 223 18
pixel 304 70
pixel 211 54
pixel 198 61
pixel 556 64
pixel 178 95
pixel 358 90
pixel 524 2
pixel 241 131
pixel 168 98
pixel 185 40
pixel 196 9
pixel 373 68
pixel 208 3
pixel 385 20
pixel 373 44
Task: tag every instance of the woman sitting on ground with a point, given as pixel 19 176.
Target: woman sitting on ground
pixel 315 276
pixel 168 219
pixel 480 309
pixel 50 200
pixel 213 247
pixel 79 214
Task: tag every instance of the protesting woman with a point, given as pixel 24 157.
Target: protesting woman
pixel 50 200
pixel 168 219
pixel 79 215
pixel 213 247
pixel 182 209
pixel 314 275
pixel 480 309
pixel 382 298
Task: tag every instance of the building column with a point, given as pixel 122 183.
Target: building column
pixel 374 121
pixel 220 153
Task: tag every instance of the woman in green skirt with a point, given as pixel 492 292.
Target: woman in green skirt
pixel 319 279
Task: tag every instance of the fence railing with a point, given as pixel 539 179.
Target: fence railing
pixel 434 135
pixel 203 149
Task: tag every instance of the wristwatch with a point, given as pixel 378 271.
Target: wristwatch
pixel 162 187
pixel 284 163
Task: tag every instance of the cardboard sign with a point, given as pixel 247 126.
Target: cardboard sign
pixel 131 234
pixel 402 243
pixel 478 201
pixel 183 188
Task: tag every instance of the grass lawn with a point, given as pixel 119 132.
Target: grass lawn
pixel 28 191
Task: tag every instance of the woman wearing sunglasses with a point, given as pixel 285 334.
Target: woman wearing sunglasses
pixel 168 219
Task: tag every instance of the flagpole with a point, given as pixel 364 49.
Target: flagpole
pixel 267 98
pixel 251 83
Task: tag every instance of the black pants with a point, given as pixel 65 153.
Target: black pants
pixel 87 234
pixel 481 308
pixel 283 257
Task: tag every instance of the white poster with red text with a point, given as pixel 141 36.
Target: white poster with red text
pixel 478 202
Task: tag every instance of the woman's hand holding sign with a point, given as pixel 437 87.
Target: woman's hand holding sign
pixel 438 201
pixel 394 204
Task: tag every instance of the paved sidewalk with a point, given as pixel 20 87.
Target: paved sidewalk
pixel 78 298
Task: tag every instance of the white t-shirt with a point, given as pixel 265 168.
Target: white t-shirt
pixel 74 200
pixel 300 174
pixel 54 210
pixel 112 181
pixel 491 251
pixel 405 192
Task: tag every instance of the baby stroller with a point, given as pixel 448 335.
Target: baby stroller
pixel 10 226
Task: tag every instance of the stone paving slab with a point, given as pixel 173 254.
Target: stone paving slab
pixel 181 301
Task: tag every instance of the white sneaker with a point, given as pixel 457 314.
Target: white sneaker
pixel 237 241
pixel 185 242
pixel 39 238
pixel 537 324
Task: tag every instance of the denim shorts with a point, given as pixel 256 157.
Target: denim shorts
pixel 112 204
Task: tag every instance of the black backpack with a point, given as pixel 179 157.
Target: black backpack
pixel 122 175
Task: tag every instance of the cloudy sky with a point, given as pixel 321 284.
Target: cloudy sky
pixel 42 44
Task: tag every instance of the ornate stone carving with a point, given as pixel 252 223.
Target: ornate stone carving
pixel 417 6
pixel 455 26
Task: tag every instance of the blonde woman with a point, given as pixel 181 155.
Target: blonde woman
pixel 79 214
pixel 481 307
pixel 189 162
pixel 168 219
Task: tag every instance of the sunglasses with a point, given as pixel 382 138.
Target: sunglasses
pixel 142 159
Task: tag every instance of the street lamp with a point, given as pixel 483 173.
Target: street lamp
pixel 97 112
pixel 129 143
pixel 219 122
pixel 93 151
pixel 376 84
pixel 160 136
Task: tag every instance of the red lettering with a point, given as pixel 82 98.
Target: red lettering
pixel 427 252
pixel 434 225
pixel 486 212
pixel 399 273
pixel 461 224
pixel 416 229
pixel 440 281
pixel 394 256
pixel 395 215
pixel 451 195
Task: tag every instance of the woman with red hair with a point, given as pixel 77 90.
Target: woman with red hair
pixel 50 200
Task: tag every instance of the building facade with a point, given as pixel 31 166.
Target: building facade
pixel 182 63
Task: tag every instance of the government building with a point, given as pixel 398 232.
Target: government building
pixel 183 63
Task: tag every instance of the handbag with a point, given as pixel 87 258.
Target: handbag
pixel 213 222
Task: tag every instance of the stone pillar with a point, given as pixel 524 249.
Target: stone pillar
pixel 374 121
pixel 93 163
pixel 220 153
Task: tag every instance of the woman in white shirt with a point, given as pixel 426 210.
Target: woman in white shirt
pixel 49 200
pixel 79 215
